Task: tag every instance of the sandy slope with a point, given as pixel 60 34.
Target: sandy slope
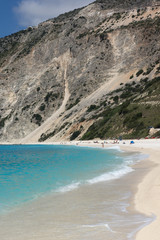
pixel 147 199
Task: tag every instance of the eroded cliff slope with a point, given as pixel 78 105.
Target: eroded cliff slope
pixel 52 74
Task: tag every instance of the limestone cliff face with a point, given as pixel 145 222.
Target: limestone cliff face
pixel 51 74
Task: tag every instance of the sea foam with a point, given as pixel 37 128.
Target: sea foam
pixel 102 178
pixel 111 175
pixel 68 187
pixel 100 225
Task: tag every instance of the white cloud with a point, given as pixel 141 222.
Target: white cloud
pixel 32 12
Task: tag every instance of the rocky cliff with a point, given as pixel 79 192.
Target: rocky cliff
pixel 55 77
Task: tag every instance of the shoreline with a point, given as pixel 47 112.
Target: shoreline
pixel 147 196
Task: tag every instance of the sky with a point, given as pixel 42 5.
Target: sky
pixel 16 15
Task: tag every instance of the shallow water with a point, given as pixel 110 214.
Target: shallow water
pixel 27 172
pixel 57 192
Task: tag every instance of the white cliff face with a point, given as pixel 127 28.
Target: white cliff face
pixel 51 74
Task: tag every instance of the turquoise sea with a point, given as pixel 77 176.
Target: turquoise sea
pixel 31 173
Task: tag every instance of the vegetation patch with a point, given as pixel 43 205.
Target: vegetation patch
pixel 51 96
pixel 25 108
pixel 64 125
pixel 73 104
pixel 130 116
pixel 81 35
pixel 75 135
pixel 91 108
pixel 157 134
pixel 42 107
pixel 44 136
pixel 37 118
pixel 2 122
pixel 139 72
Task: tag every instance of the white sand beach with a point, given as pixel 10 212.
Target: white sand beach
pixel 147 198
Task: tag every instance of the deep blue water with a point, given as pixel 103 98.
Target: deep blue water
pixel 30 171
